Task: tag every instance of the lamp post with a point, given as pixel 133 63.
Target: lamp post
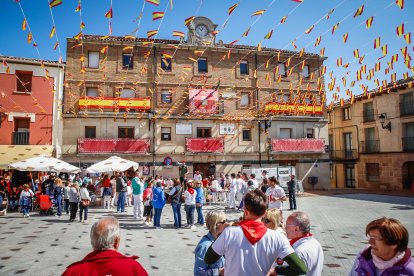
pixel 150 115
pixel 382 118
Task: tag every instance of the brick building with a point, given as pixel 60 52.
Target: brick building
pixel 30 121
pixel 220 107
pixel 372 140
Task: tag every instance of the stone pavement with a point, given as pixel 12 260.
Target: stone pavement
pixel 43 245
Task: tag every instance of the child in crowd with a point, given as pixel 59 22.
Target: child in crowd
pixel 26 200
pixel 147 197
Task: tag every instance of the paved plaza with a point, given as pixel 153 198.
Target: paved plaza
pixel 43 245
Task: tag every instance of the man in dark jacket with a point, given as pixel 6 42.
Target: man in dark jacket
pixel 121 189
pixel 292 192
pixel 105 258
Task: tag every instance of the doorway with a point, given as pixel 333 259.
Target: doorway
pixel 350 175
pixel 408 175
pixel 206 169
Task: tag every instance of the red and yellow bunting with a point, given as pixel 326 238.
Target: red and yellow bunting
pixel 109 14
pixel 52 32
pixel 188 20
pixel 157 15
pixel 377 42
pixel 368 22
pixel 400 30
pixel 55 3
pixel 309 30
pixel 154 2
pixel 345 38
pixel 359 11
pixel 232 8
pixel 259 12
pixel 152 33
pixel 400 3
pixel 178 33
pixel 24 24
pixel 268 35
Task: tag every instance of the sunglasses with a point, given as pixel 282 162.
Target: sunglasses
pixel 222 222
pixel 266 221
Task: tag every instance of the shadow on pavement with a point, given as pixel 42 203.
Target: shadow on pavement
pixel 404 202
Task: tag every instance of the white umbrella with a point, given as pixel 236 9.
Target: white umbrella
pixel 44 163
pixel 113 163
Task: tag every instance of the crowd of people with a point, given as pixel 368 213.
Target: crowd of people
pixel 261 242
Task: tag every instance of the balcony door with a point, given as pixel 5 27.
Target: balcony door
pixel 350 175
pixel 203 132
pixel 21 131
pixel 348 144
pixel 370 143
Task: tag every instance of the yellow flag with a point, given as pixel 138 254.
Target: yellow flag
pixel 52 32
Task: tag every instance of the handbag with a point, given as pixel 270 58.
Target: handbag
pixel 85 202
pixel 198 204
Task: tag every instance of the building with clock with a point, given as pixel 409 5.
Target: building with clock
pixel 220 107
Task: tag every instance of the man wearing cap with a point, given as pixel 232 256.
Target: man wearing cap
pixel 292 192
pixel 183 170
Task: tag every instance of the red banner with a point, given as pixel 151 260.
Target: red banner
pixel 284 108
pixel 108 103
pixel 298 145
pixel 103 145
pixel 203 101
pixel 212 145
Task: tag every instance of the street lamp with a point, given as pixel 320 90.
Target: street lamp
pixel 150 115
pixel 382 118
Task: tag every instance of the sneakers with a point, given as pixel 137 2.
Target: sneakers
pixel 85 221
pixel 193 227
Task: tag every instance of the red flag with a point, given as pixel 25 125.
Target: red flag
pixel 109 13
pixel 232 8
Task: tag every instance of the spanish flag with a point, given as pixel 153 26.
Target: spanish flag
pixel 232 8
pixel 178 33
pixel 267 63
pixel 109 13
pixel 322 52
pixel 339 62
pixel 268 35
pixel 198 52
pixel 298 1
pixel 393 77
pixel 394 58
pixel 323 70
pixel 157 15
pixel 56 45
pixel 55 3
pixel 301 65
pixel 405 75
pixel 78 36
pixel 154 2
pixel 318 41
pixel 301 52
pixel 104 50
pixel 151 33
pixel 400 30
pixel 345 37
pixel 29 37
pixel 78 8
pixel 359 75
pixel 52 32
pixel 377 42
pixel 369 21
pixel 400 3
pixel 188 20
pixel 259 12
pixel 384 50
pixel 359 11
pixel 283 20
pixel 407 38
pixel 356 53
pixel 309 30
pixel 288 61
pixel 377 66
pixel 246 33
pixel 335 27
pixel 82 25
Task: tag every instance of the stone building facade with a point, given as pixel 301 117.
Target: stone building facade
pixel 372 140
pixel 219 107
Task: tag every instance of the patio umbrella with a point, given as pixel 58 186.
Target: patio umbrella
pixel 44 163
pixel 113 163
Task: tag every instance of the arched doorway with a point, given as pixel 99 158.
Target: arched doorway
pixel 408 175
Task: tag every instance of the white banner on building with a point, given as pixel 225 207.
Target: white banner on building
pixel 226 129
pixel 183 129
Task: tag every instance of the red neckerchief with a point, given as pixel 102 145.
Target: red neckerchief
pixel 292 241
pixel 253 230
pixel 191 191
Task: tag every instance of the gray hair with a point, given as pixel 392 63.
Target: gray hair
pixel 104 233
pixel 301 220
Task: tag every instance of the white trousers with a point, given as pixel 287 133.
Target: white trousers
pixel 138 207
pixel 232 200
pixel 107 202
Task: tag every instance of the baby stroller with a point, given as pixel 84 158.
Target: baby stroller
pixel 45 204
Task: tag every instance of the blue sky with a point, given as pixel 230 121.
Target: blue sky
pixel 301 16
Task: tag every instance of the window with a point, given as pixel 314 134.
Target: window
pixel 408 139
pixel 202 65
pixel 92 92
pixel 330 115
pixel 348 144
pixel 407 104
pixel 166 64
pixel 350 175
pixel 21 131
pixel 305 71
pixel 331 143
pixel 247 134
pixel 90 131
pixel 372 171
pixel 285 98
pixel 346 113
pixel 127 61
pixel 285 133
pixel 126 132
pixel 310 133
pixel 244 68
pixel 127 93
pixel 203 132
pixel 93 59
pixel 24 81
pixel 282 69
pixel 166 97
pixel 244 99
pixel 165 134
pixel 368 112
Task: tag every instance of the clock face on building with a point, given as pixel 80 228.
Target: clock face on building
pixel 201 30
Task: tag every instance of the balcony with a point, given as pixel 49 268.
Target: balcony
pixel 285 108
pixel 20 138
pixel 351 154
pixel 112 104
pixel 298 145
pixel 108 145
pixel 407 108
pixel 203 101
pixel 368 115
pixel 370 146
pixel 408 143
pixel 205 145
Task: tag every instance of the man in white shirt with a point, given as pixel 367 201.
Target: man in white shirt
pixel 305 245
pixel 197 176
pixel 276 194
pixel 264 175
pixel 251 248
pixel 255 182
pixel 241 187
pixel 232 191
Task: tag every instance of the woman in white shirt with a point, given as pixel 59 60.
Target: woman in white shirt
pixel 85 200
pixel 190 204
pixel 215 189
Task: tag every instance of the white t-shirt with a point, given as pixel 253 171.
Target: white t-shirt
pixel 310 252
pixel 275 192
pixel 240 184
pixel 190 199
pixel 215 185
pixel 244 258
pixel 197 177
pixel 255 183
pixel 233 185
